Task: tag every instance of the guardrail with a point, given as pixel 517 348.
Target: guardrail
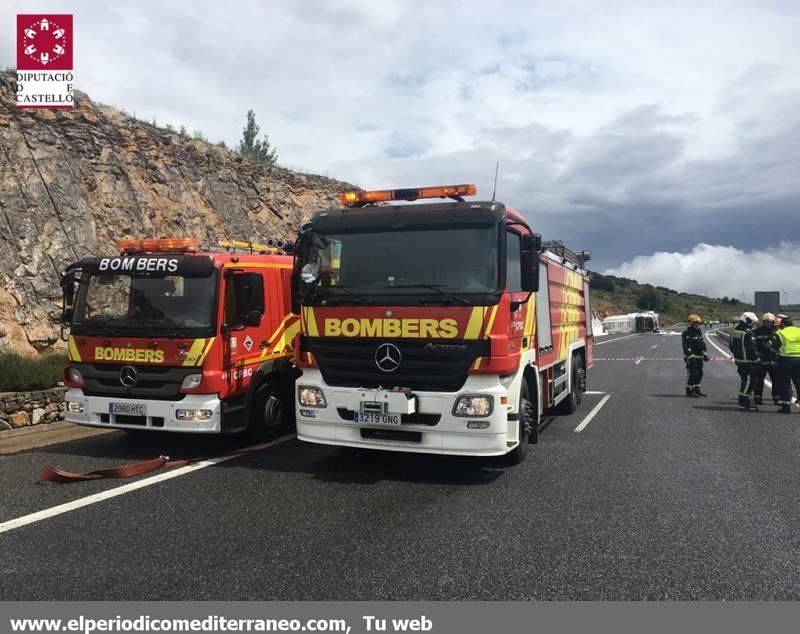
pixel 725 333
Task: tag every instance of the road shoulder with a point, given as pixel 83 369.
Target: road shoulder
pixel 17 440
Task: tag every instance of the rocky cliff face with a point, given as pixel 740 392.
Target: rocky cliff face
pixel 73 182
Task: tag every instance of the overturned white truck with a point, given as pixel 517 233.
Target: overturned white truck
pixel 632 322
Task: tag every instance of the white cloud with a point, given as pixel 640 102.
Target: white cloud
pixel 719 271
pixel 680 110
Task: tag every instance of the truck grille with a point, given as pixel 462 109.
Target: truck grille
pixel 152 381
pixel 423 367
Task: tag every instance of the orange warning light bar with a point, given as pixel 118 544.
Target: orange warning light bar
pixel 357 199
pixel 156 245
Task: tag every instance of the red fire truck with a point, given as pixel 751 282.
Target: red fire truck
pixel 167 337
pixel 422 328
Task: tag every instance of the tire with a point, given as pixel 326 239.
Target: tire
pixel 577 380
pixel 526 427
pixel 580 377
pixel 269 415
pixel 535 420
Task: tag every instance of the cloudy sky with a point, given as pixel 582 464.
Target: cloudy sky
pixel 665 137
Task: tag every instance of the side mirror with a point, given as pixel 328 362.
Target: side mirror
pixel 69 294
pixel 302 246
pixel 531 246
pixel 68 287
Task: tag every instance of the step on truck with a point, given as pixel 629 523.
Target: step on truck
pixel 166 337
pixel 440 327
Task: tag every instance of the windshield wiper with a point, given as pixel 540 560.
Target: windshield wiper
pixel 99 324
pixel 156 328
pixel 360 298
pixel 123 327
pixel 438 289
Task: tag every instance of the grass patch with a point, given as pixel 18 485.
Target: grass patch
pixel 20 374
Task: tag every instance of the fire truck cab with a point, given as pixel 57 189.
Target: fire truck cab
pixel 167 337
pixel 442 327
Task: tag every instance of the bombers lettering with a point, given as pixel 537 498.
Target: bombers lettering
pixel 408 328
pixel 129 354
pixel 139 265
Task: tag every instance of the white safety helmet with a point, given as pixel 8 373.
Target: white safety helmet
pixel 768 317
pixel 749 318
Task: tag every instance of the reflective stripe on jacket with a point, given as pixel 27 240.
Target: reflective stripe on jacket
pixel 765 339
pixel 743 345
pixel 693 343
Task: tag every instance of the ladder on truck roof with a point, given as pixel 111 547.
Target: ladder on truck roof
pixel 273 246
pixel 568 255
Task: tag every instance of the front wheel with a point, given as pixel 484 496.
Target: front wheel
pixel 269 414
pixel 526 426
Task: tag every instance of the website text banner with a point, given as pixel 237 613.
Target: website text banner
pixel 398 617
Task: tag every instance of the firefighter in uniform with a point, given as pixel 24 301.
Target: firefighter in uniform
pixel 694 354
pixel 743 347
pixel 765 336
pixel 788 362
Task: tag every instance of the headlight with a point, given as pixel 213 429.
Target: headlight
pixel 74 407
pixel 193 414
pixel 74 376
pixel 474 406
pixel 191 381
pixel 311 397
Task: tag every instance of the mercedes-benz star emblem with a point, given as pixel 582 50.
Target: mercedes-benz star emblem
pixel 127 376
pixel 388 357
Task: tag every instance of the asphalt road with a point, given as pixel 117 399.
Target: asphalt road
pixel 658 497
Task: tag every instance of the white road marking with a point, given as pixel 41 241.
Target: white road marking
pixel 592 414
pixel 602 343
pixel 654 347
pixel 19 522
pixel 727 354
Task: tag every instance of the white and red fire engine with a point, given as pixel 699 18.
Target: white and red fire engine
pixel 167 337
pixel 444 327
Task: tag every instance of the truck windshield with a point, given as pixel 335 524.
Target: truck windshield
pixel 437 264
pixel 172 306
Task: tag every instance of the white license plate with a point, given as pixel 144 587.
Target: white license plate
pixel 381 419
pixel 127 409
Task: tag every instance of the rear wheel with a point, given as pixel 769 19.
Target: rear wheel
pixel 526 426
pixel 576 387
pixel 580 378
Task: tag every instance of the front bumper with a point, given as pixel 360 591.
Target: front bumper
pixel 449 435
pixel 160 415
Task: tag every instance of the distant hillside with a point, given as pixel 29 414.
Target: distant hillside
pixel 613 295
